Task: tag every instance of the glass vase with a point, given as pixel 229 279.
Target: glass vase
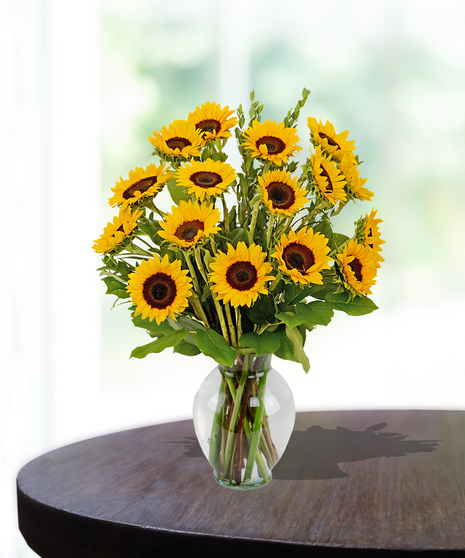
pixel 243 418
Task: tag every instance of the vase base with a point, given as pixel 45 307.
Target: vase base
pixel 251 485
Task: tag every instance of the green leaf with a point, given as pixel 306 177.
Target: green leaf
pixel 151 227
pixel 115 287
pixel 123 268
pixel 232 217
pixel 206 293
pixel 265 343
pixel 187 349
pixel 297 341
pixel 294 293
pixel 263 311
pixel 184 323
pixel 356 307
pixel 238 235
pixel 315 313
pixel 163 328
pixel 170 340
pixel 177 193
pixel 324 228
pixel 207 259
pixel 320 291
pixel 339 239
pixel 212 344
pixel 286 350
pixel 290 319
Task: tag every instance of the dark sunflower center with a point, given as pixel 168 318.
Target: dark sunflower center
pixel 178 143
pixel 159 291
pixel 206 179
pixel 208 126
pixel 189 229
pixel 274 145
pixel 356 267
pixel 329 140
pixel 329 186
pixel 282 195
pixel 140 186
pixel 297 256
pixel 241 276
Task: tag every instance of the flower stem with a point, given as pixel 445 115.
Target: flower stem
pixel 219 311
pixel 232 330
pixel 225 214
pixel 192 272
pixel 198 261
pixel 215 438
pixel 234 417
pixel 238 323
pixel 268 234
pixel 256 431
pixel 254 218
pixel 153 207
pixel 199 311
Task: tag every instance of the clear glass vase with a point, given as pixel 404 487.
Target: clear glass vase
pixel 243 418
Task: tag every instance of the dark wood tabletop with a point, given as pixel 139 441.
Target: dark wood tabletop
pixel 352 483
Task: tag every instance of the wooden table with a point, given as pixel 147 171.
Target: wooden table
pixel 353 483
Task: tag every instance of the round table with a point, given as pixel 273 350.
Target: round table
pixel 353 483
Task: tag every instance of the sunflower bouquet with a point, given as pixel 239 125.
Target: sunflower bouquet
pixel 246 262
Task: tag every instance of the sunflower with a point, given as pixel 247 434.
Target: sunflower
pixel 213 121
pixel 358 265
pixel 181 139
pixel 159 288
pixel 281 193
pixel 141 185
pixel 326 137
pixel 303 255
pixel 189 222
pixel 271 141
pixel 205 177
pixel 329 180
pixel 370 234
pixel 114 233
pixel 240 275
pixel 349 168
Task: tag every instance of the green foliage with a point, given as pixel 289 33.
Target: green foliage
pixel 290 318
pixel 115 287
pixel 169 340
pixel 359 306
pixel 294 293
pixel 286 349
pixel 151 227
pixel 186 349
pixel 177 193
pixel 183 322
pixel 239 235
pixel 263 311
pixel 278 321
pixel 212 344
pixel 315 313
pixel 296 339
pixel 265 343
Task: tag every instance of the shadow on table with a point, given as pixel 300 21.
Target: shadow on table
pixel 315 453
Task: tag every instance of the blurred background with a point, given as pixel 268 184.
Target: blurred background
pixel 83 84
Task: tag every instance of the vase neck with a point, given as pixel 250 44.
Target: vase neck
pixel 251 362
